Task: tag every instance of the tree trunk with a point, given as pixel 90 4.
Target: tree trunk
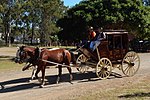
pixel 9 35
pixel 32 34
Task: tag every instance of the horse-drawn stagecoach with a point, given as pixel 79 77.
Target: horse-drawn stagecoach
pixel 111 53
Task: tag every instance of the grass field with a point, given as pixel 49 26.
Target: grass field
pixel 7 64
pixel 139 91
pixel 6 59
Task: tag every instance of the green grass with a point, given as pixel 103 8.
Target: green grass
pixel 6 65
pixel 138 91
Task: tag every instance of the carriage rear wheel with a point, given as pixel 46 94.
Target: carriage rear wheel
pixel 104 68
pixel 81 63
pixel 130 63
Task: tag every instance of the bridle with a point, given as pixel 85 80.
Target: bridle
pixel 21 55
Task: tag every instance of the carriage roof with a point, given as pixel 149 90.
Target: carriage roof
pixel 112 32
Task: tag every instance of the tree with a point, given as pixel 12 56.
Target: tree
pixel 51 11
pixel 10 14
pixel 27 15
pixel 131 15
pixel 5 15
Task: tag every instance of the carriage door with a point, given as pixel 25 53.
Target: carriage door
pixel 117 47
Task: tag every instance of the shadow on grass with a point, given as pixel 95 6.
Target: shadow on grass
pixel 6 57
pixel 2 58
pixel 138 94
pixel 23 84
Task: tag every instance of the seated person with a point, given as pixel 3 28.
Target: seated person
pixel 91 36
pixel 97 39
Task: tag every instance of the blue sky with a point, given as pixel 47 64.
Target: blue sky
pixel 71 3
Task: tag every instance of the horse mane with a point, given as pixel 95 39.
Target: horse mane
pixel 37 53
pixel 22 47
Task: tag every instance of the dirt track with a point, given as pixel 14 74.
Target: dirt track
pixel 17 87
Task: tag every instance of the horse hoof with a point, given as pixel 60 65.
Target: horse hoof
pixel 29 81
pixel 58 79
pixel 70 82
pixel 41 86
pixel 71 78
pixel 2 87
pixel 40 80
pixel 57 82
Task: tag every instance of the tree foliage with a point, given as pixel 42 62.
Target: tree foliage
pixel 45 18
pixel 131 15
pixel 28 16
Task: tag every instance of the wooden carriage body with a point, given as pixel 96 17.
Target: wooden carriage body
pixel 115 46
pixel 111 53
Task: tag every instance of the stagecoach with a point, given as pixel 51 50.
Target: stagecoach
pixel 113 52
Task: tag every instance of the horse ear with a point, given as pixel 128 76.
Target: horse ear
pixel 37 49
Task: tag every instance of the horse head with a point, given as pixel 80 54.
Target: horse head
pixel 21 55
pixel 27 54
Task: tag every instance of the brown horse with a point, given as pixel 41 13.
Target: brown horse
pixel 41 58
pixel 58 57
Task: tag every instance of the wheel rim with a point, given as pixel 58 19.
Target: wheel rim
pixel 81 63
pixel 104 68
pixel 130 63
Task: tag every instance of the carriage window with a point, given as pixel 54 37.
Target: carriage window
pixel 125 41
pixel 117 42
pixel 110 42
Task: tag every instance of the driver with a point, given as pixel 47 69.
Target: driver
pixel 97 39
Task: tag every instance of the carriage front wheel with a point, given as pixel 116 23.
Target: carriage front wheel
pixel 104 68
pixel 130 63
pixel 81 63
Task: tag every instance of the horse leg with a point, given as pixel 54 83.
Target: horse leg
pixel 70 71
pixel 43 76
pixel 59 74
pixel 2 86
pixel 33 73
pixel 37 71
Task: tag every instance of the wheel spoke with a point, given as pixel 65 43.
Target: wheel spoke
pixel 126 69
pixel 135 58
pixel 133 70
pixel 99 73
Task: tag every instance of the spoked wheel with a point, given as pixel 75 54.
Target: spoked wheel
pixel 104 68
pixel 130 63
pixel 81 63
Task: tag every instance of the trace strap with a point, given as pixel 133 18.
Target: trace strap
pixel 55 63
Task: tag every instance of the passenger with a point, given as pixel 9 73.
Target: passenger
pixel 91 34
pixel 97 39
